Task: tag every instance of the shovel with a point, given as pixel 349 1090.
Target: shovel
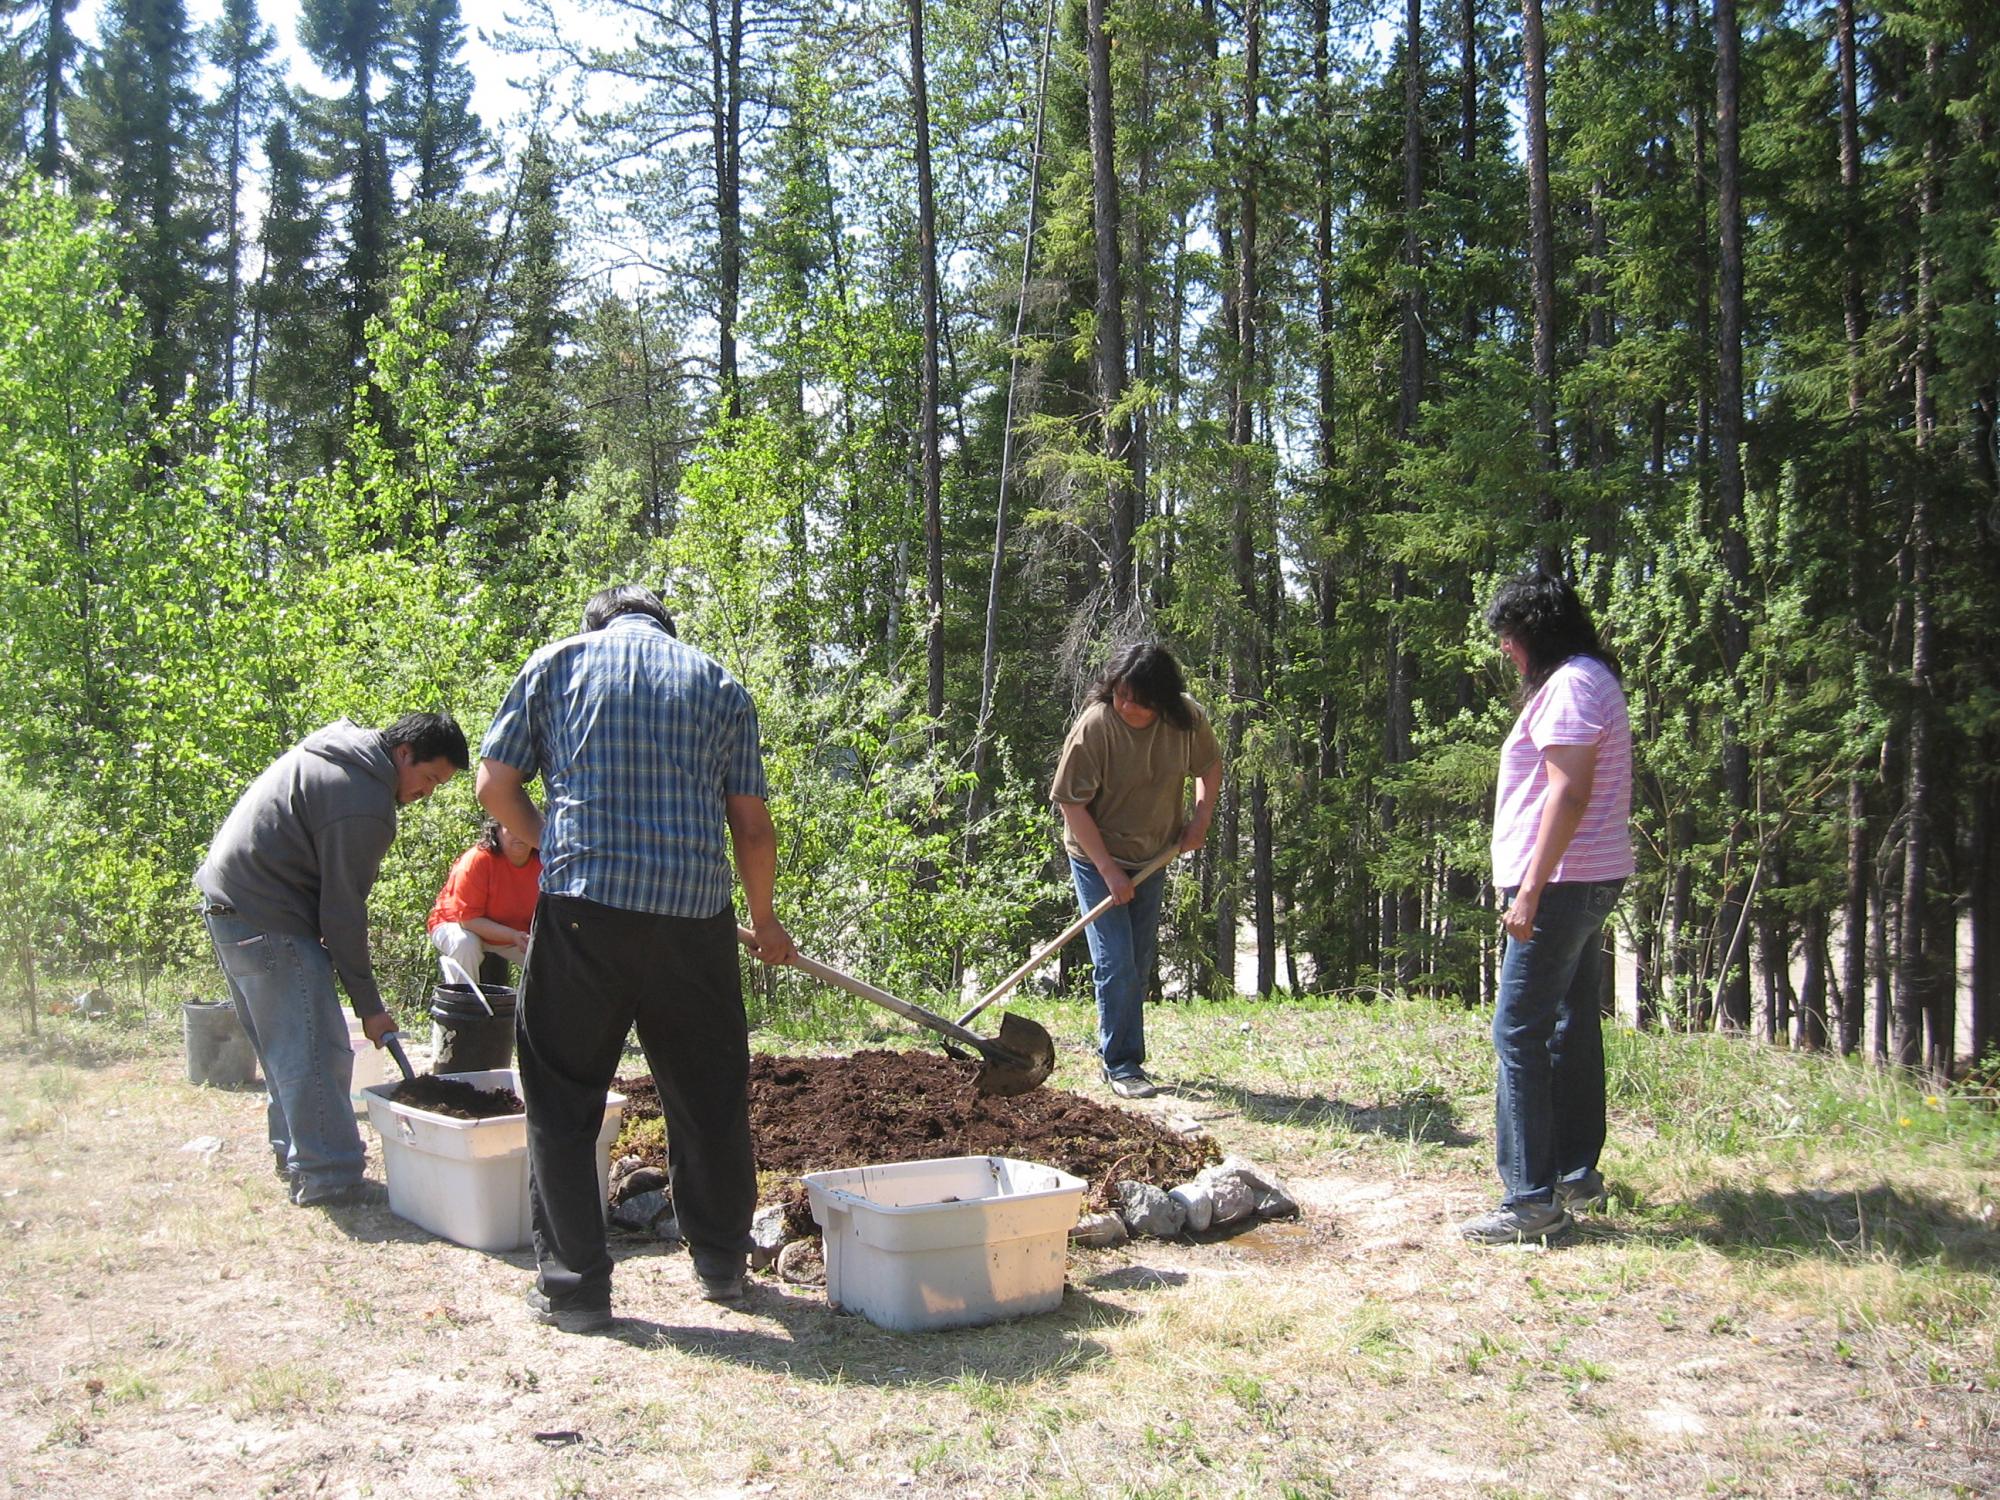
pixel 1041 955
pixel 1017 1063
pixel 393 1040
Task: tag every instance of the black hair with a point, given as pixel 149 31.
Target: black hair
pixel 1544 614
pixel 489 835
pixel 430 737
pixel 607 605
pixel 1149 671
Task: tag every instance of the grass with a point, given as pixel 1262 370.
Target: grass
pixel 1786 1232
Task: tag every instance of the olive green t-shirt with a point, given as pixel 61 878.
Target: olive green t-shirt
pixel 1131 780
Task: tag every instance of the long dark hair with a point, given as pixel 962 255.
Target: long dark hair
pixel 489 835
pixel 1149 670
pixel 1543 613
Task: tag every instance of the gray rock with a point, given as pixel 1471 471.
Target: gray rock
pixel 767 1236
pixel 642 1212
pixel 1276 1203
pixel 1234 1198
pixel 1197 1203
pixel 1147 1210
pixel 638 1180
pixel 802 1263
pixel 1099 1231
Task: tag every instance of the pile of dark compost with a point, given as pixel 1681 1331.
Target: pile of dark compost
pixel 456 1098
pixel 819 1114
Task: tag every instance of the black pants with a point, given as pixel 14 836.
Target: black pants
pixel 593 973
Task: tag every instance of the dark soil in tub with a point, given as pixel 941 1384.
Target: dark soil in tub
pixel 819 1114
pixel 456 1098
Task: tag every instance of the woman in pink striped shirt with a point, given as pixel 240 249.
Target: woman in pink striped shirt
pixel 1562 849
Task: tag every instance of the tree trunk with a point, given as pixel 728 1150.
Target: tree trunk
pixel 1813 983
pixel 1854 944
pixel 1110 309
pixel 1733 624
pixel 1542 265
pixel 1400 918
pixel 930 465
pixel 1984 910
pixel 1917 996
pixel 725 61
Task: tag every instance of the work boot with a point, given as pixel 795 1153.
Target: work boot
pixel 1132 1085
pixel 1516 1224
pixel 1585 1190
pixel 590 1319
pixel 363 1194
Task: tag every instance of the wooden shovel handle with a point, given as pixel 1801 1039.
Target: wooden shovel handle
pixel 1041 955
pixel 883 998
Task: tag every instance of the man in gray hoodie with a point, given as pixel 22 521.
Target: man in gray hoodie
pixel 284 892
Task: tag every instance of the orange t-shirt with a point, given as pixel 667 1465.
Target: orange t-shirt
pixel 485 884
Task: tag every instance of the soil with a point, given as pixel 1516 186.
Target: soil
pixel 817 1114
pixel 456 1098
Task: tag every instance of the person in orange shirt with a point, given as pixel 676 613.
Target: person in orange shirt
pixel 487 902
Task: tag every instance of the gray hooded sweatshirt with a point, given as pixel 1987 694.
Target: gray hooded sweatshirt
pixel 301 849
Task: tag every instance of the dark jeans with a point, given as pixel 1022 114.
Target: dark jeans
pixel 1549 1108
pixel 1123 943
pixel 593 973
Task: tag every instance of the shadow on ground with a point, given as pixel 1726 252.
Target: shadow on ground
pixel 1879 1222
pixel 807 1339
pixel 1419 1115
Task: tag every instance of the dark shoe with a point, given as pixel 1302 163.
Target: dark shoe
pixel 362 1194
pixel 566 1319
pixel 1516 1224
pixel 1583 1191
pixel 1133 1085
pixel 727 1289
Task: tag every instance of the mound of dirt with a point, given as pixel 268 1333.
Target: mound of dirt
pixel 817 1114
pixel 456 1098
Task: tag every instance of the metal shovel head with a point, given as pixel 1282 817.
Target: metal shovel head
pixel 1032 1059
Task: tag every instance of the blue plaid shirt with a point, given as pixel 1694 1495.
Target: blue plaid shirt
pixel 637 739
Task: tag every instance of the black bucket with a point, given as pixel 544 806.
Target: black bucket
pixel 465 1039
pixel 219 1053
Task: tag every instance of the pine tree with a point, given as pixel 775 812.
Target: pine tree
pixel 138 133
pixel 240 48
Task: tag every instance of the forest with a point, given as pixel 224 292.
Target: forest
pixel 919 354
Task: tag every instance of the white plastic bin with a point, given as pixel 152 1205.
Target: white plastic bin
pixel 467 1180
pixel 950 1243
pixel 372 1065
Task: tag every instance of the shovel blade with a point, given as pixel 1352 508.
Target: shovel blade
pixel 1020 1061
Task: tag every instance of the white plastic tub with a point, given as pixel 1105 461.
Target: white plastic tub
pixel 467 1180
pixel 372 1065
pixel 951 1243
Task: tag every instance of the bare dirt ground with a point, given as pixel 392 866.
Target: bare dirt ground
pixel 170 1326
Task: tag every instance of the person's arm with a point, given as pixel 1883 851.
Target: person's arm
pixel 1090 838
pixel 1207 788
pixel 494 934
pixel 350 857
pixel 1572 771
pixel 755 844
pixel 503 791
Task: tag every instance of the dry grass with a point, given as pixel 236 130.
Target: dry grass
pixel 1793 1296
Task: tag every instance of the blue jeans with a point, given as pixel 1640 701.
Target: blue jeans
pixel 1123 943
pixel 1549 1108
pixel 283 989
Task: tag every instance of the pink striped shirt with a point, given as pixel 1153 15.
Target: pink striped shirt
pixel 1580 704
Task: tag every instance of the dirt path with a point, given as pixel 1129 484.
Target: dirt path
pixel 170 1326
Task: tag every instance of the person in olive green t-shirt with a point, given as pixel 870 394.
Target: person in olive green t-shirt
pixel 1120 786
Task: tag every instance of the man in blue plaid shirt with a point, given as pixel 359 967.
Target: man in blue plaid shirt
pixel 647 751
